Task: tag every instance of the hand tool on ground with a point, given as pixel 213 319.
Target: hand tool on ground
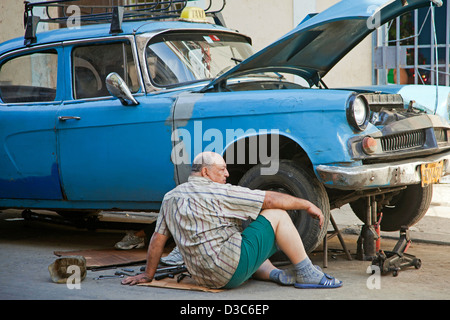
pixel 122 273
pixel 165 272
pixel 182 276
pixel 108 276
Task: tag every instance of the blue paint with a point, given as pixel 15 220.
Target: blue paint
pixel 33 187
pixel 320 126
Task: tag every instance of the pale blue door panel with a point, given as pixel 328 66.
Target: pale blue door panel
pixel 109 152
pixel 28 161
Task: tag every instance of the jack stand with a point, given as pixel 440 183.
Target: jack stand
pixel 397 259
pixel 369 236
pixel 365 250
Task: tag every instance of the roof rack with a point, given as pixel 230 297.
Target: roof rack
pixel 65 12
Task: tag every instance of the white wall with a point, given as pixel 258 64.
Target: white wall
pixel 355 68
pixel 267 20
pixel 263 20
pixel 11 19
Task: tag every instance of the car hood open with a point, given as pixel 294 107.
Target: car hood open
pixel 320 41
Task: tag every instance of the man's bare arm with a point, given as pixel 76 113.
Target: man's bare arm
pixel 277 200
pixel 154 253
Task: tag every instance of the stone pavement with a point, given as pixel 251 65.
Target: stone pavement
pixel 434 227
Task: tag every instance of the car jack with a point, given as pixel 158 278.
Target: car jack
pixel 369 243
pixel 369 239
pixel 393 261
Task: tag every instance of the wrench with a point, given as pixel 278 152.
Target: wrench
pixel 121 273
pixel 109 276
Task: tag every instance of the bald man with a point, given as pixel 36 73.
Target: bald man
pixel 205 215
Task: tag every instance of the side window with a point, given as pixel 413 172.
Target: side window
pixel 29 78
pixel 92 64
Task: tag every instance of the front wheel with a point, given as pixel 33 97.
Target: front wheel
pixel 405 208
pixel 295 180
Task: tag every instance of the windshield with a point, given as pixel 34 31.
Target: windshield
pixel 179 58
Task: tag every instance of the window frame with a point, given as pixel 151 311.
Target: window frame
pixel 147 39
pixel 70 45
pixel 57 48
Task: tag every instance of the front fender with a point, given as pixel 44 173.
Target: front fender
pixel 315 119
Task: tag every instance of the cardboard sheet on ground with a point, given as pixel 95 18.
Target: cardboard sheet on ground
pixel 185 284
pixel 98 258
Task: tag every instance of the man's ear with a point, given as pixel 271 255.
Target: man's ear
pixel 204 172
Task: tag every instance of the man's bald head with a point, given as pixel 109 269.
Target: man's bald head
pixel 210 165
pixel 206 158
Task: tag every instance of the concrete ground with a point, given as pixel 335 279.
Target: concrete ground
pixel 26 250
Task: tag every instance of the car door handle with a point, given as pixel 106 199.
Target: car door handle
pixel 65 118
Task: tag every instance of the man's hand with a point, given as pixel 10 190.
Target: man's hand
pixel 140 278
pixel 155 249
pixel 316 213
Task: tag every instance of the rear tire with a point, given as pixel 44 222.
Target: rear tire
pixel 294 180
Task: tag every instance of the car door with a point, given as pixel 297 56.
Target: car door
pixel 115 155
pixel 29 100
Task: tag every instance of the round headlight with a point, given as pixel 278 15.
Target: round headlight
pixel 358 113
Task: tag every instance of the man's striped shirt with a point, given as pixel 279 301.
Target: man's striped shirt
pixel 205 219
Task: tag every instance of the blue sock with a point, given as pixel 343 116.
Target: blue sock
pixel 283 276
pixel 307 272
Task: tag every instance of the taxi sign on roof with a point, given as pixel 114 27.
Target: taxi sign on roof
pixel 193 14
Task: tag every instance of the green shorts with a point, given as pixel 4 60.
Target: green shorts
pixel 258 244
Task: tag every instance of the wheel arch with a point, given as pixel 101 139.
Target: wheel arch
pixel 238 163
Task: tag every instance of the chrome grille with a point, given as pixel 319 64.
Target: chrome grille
pixel 441 135
pixel 404 140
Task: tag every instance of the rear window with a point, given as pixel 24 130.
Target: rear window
pixel 29 78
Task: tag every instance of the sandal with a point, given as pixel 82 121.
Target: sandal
pixel 327 281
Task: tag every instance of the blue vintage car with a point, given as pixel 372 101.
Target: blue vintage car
pixel 109 116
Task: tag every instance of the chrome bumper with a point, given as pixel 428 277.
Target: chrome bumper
pixel 380 175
